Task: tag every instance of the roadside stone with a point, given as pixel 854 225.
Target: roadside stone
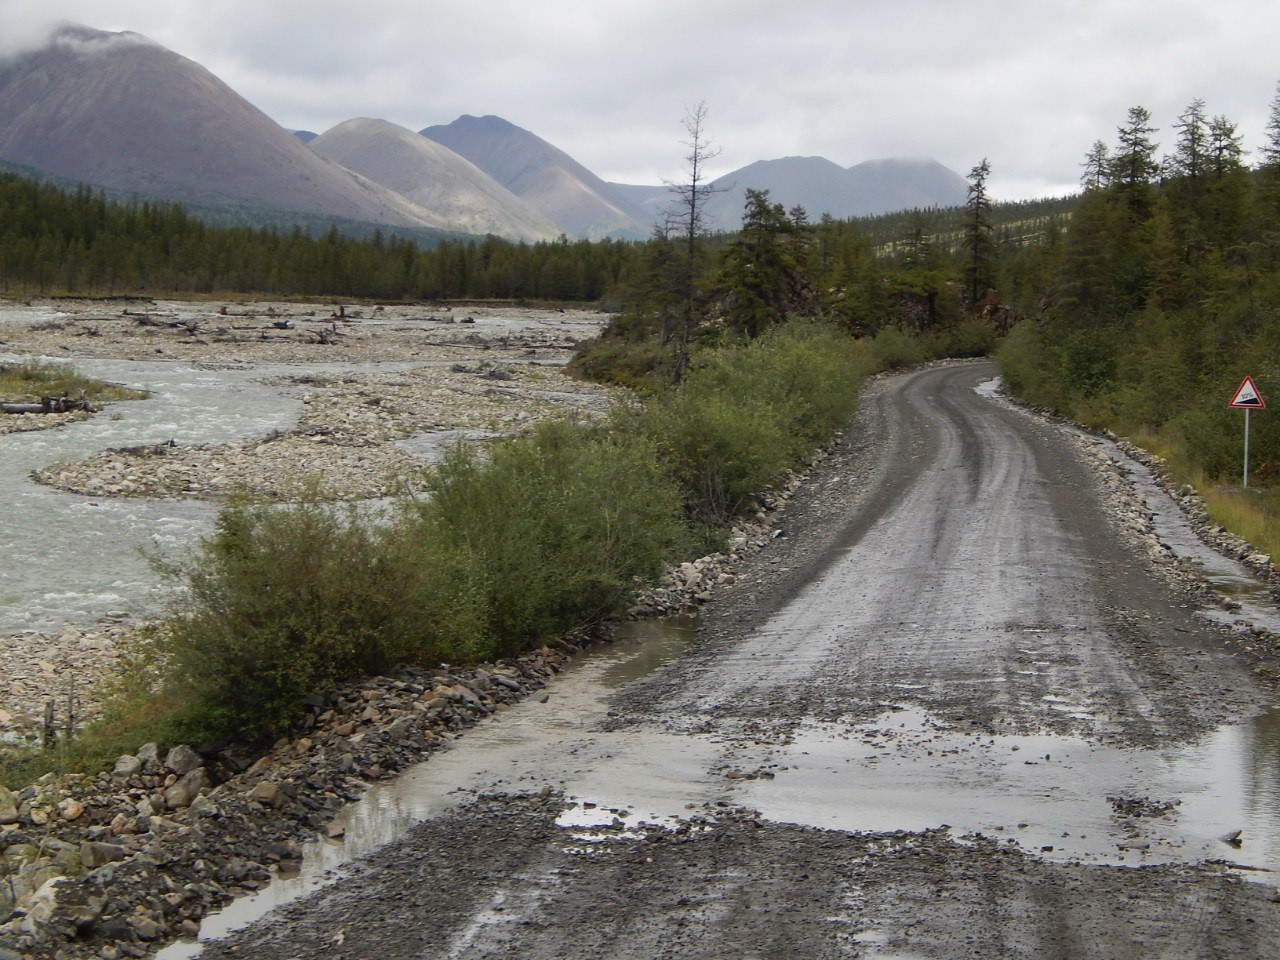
pixel 182 793
pixel 126 767
pixel 95 854
pixel 182 760
pixel 70 809
pixel 8 807
pixel 267 792
pixel 145 927
pixel 149 755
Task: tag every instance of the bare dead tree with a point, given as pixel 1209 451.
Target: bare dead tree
pixel 689 217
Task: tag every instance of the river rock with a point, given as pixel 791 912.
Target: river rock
pixel 182 760
pixel 95 854
pixel 8 807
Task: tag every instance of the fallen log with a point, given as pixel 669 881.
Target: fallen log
pixel 63 404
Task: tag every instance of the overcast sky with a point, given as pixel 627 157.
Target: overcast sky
pixel 1028 84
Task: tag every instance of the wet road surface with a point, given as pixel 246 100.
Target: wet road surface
pixel 948 713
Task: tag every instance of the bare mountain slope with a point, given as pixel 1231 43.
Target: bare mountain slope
pixel 564 191
pixel 823 187
pixel 119 111
pixel 434 177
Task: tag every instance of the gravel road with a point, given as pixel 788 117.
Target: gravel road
pixel 950 712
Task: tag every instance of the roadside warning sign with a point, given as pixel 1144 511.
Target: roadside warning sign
pixel 1247 396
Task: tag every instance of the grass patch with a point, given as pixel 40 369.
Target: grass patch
pixel 28 382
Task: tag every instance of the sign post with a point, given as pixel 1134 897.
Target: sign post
pixel 1247 398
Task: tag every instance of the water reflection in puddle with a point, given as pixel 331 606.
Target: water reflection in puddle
pixel 632 776
pixel 1061 796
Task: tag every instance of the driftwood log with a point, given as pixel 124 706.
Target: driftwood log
pixel 62 404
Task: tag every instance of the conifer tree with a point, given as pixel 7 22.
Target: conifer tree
pixel 979 240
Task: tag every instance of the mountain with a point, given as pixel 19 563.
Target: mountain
pixel 434 177
pixel 818 185
pixel 118 111
pixel 552 182
pixel 824 187
pixel 890 185
pixel 122 113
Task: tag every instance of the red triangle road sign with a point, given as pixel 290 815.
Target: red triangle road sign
pixel 1247 396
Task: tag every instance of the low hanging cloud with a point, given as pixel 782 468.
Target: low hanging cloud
pixel 1028 86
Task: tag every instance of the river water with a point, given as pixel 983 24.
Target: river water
pixel 70 559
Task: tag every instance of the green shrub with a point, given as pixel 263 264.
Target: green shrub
pixel 561 524
pixel 747 413
pixel 892 349
pixel 1025 365
pixel 285 601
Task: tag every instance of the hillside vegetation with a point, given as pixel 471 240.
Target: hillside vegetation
pixel 1160 296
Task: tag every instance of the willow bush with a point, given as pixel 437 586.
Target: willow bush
pixel 746 414
pixel 563 525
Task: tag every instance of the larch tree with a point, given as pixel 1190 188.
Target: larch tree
pixel 979 239
pixel 1097 167
pixel 689 218
pixel 1133 165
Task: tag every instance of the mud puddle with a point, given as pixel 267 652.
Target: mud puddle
pixel 626 777
pixel 1062 797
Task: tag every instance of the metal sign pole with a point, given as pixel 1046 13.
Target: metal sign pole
pixel 1246 448
pixel 1247 398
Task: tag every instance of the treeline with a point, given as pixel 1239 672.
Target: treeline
pixel 1162 293
pixel 78 241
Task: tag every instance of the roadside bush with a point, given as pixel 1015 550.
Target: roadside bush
pixel 748 413
pixel 561 525
pixel 282 602
pixel 893 348
pixel 1025 366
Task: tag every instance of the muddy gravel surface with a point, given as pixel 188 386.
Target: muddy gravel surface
pixel 952 709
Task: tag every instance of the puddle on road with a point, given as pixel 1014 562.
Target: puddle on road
pixel 631 776
pixel 904 771
pixel 1063 797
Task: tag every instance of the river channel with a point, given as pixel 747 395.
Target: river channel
pixel 72 559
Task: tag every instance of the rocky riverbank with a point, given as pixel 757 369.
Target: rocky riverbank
pixel 361 435
pixel 114 865
pixel 459 376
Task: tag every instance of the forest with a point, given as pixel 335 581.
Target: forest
pixel 1158 299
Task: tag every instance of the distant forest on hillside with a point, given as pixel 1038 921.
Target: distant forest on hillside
pixel 55 240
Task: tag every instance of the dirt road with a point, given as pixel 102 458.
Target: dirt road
pixel 949 713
